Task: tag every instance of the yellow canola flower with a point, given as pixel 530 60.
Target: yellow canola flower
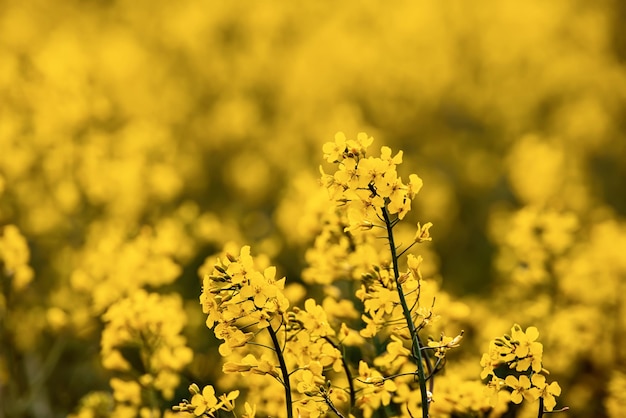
pixel 375 391
pixel 547 391
pixel 367 185
pixel 310 380
pixel 250 363
pixel 314 319
pixel 521 389
pixel 521 352
pixel 423 232
pixel 333 151
pixel 238 291
pixel 205 402
pixel 527 349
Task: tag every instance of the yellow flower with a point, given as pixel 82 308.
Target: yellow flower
pixel 362 142
pixel 385 155
pixel 526 341
pixel 372 325
pixel 399 203
pixel 333 151
pixel 382 299
pixel 415 185
pixel 310 379
pixel 347 173
pixel 228 400
pixel 266 365
pixel 247 363
pixel 527 349
pixel 488 365
pixel 547 392
pixel 314 319
pixel 521 388
pixel 258 289
pixel 349 337
pixel 423 232
pixel 445 343
pixel 371 171
pixel 206 402
pixel 232 336
pixel 414 264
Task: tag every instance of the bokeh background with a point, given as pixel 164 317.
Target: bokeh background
pixel 136 138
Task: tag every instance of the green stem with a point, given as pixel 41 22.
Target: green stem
pixel 347 371
pixel 332 406
pixel 416 346
pixel 283 369
pixel 540 415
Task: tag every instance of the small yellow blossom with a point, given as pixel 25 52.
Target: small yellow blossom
pixel 205 402
pixel 521 389
pixel 547 391
pixel 423 232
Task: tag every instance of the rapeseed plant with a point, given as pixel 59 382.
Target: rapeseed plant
pixel 135 141
pixel 304 350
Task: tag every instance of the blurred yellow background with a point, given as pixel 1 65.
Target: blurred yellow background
pixel 137 137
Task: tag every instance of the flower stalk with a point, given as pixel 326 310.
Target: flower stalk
pixel 283 370
pixel 416 346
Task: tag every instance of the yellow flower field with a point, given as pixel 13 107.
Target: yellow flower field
pixel 306 209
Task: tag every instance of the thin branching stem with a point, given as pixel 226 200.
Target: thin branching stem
pixel 332 406
pixel 347 371
pixel 406 249
pixel 283 369
pixel 261 345
pixel 416 345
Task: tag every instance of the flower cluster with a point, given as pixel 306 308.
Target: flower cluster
pixel 370 197
pixel 205 403
pixel 381 300
pixel 515 362
pixel 367 184
pixel 142 343
pixel 309 336
pixel 242 298
pixel 237 292
pixel 310 351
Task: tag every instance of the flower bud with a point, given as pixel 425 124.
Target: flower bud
pixel 194 389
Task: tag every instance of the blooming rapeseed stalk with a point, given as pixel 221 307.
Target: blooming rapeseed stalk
pixel 370 197
pixel 243 300
pixel 237 293
pixel 510 355
pixel 148 325
pixel 304 349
